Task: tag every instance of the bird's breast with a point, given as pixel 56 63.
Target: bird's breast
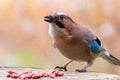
pixel 73 49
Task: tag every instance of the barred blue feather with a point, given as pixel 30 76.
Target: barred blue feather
pixel 95 46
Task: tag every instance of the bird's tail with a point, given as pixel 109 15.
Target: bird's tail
pixel 111 59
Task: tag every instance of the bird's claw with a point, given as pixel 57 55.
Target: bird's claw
pixel 60 68
pixel 80 70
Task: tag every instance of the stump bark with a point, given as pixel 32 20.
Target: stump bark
pixel 67 75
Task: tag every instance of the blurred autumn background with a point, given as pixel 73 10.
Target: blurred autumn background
pixel 24 39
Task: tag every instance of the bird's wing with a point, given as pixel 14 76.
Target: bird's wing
pixel 92 41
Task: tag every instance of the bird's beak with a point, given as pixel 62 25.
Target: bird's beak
pixel 49 19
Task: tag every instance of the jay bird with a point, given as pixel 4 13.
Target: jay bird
pixel 76 42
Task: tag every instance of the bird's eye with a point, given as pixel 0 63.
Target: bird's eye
pixel 62 17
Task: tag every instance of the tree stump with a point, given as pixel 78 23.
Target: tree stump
pixel 67 75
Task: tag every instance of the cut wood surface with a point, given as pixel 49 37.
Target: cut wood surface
pixel 67 75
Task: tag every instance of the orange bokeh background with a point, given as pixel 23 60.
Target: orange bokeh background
pixel 24 39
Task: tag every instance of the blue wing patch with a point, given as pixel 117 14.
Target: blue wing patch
pixel 95 45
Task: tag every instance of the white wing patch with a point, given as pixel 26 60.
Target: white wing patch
pixel 107 53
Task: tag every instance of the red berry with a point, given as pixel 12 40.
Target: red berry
pixel 23 76
pixel 53 71
pixel 52 76
pixel 45 74
pixel 29 76
pixel 36 76
pixel 25 79
pixel 60 74
pixel 25 72
pixel 8 75
pixel 40 74
pixel 56 73
pixel 10 71
pixel 19 74
pixel 14 75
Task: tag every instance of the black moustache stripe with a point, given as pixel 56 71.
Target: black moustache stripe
pixel 59 24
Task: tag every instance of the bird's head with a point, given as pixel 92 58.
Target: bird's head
pixel 58 18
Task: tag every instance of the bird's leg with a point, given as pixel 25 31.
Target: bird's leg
pixel 63 67
pixel 84 68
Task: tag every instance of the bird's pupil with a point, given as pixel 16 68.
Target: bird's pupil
pixel 62 17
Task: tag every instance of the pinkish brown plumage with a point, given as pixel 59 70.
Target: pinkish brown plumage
pixel 76 42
